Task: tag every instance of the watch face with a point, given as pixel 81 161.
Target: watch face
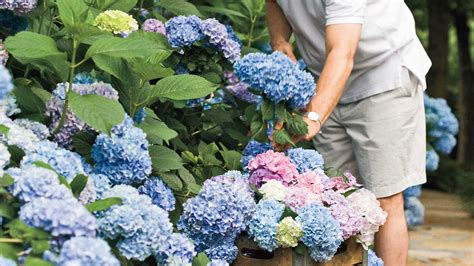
pixel 313 116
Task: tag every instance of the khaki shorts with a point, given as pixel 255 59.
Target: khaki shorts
pixel 380 139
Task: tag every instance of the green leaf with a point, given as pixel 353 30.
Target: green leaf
pixel 220 10
pixel 179 7
pixel 10 250
pixel 43 55
pixel 183 87
pixel 78 184
pixel 148 70
pixel 72 12
pixel 172 181
pixel 16 154
pixel 281 137
pixel 31 261
pixel 7 210
pixel 4 130
pixel 6 180
pixel 156 130
pixel 189 180
pixel 18 229
pixel 164 159
pixel 126 47
pixel 297 126
pixel 97 111
pixel 28 101
pixel 43 165
pixel 39 246
pixel 103 204
pixel 232 159
pixel 87 33
pixel 200 260
pixel 267 110
pixel 63 181
pixel 123 5
pixel 83 142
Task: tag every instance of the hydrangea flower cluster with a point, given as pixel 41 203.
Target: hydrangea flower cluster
pixel 218 214
pixel 161 195
pixel 178 248
pixel 277 77
pixel 271 166
pixel 21 7
pixel 123 156
pixel 226 252
pixel 24 138
pixel 240 89
pixel 185 31
pixel 218 263
pixel 84 251
pixel 84 78
pixel 343 183
pixel 373 260
pixel 41 131
pixel 141 228
pixel 154 25
pixel 253 149
pixel 321 232
pixel 364 202
pixel 3 54
pixel 264 224
pixel 6 84
pixel 306 159
pixel 414 209
pixel 288 232
pixel 116 21
pixel 72 124
pixel 274 189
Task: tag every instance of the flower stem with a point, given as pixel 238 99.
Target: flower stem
pixel 250 35
pixel 10 240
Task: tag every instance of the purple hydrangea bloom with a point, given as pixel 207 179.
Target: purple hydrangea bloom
pixel 154 25
pixel 216 31
pixel 183 31
pixel 21 7
pixel 240 89
pixel 160 194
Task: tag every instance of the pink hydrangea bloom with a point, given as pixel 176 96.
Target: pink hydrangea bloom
pixel 311 180
pixel 271 166
pixel 154 25
pixel 364 202
pixel 298 197
pixel 343 183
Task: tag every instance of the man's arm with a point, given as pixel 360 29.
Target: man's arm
pixel 341 44
pixel 279 28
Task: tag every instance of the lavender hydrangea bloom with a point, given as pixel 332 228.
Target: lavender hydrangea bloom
pixel 72 124
pixel 321 232
pixel 414 211
pixel 240 89
pixel 432 160
pixel 123 156
pixel 60 217
pixel 40 130
pixel 218 214
pixel 33 182
pixel 373 260
pixel 227 252
pixel 253 149
pixel 6 84
pixel 183 31
pixel 276 76
pixel 7 262
pixel 154 25
pixel 263 226
pixel 216 31
pixel 3 54
pixel 84 251
pixel 306 159
pixel 21 7
pixel 176 247
pixel 160 194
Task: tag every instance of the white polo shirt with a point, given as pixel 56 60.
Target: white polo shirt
pixel 388 41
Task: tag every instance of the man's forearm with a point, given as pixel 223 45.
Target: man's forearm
pixel 278 27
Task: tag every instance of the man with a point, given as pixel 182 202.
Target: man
pixel 371 71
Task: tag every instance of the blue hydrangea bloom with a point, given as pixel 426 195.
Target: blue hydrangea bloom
pixel 24 138
pixel 253 149
pixel 84 251
pixel 140 227
pixel 183 31
pixel 263 226
pixel 321 232
pixel 176 247
pixel 227 252
pixel 160 194
pixel 40 130
pixel 7 262
pixel 101 183
pixel 8 106
pixel 445 144
pixel 32 182
pixel 60 217
pixel 123 156
pixel 218 263
pixel 373 260
pixel 413 191
pixel 232 35
pixel 432 160
pixel 139 116
pixel 414 211
pixel 84 78
pixel 276 76
pixel 4 156
pixel 306 159
pixel 219 213
pixel 6 84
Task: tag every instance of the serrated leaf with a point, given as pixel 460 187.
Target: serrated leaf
pixel 183 87
pixel 281 137
pixel 97 111
pixel 232 160
pixel 172 180
pixel 179 7
pixel 267 110
pixel 103 204
pixel 125 47
pixel 164 159
pixel 297 126
pixel 78 184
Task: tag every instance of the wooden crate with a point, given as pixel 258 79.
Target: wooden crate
pixel 250 254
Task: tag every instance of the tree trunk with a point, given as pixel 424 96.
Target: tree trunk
pixel 438 27
pixel 466 136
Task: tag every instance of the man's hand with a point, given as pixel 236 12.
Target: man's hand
pixel 286 48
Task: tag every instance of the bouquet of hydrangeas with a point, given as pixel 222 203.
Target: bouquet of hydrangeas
pixel 285 89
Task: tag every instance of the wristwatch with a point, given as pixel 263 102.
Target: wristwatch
pixel 313 116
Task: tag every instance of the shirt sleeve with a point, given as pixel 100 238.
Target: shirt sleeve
pixel 345 11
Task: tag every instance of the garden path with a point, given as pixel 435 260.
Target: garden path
pixel 447 237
